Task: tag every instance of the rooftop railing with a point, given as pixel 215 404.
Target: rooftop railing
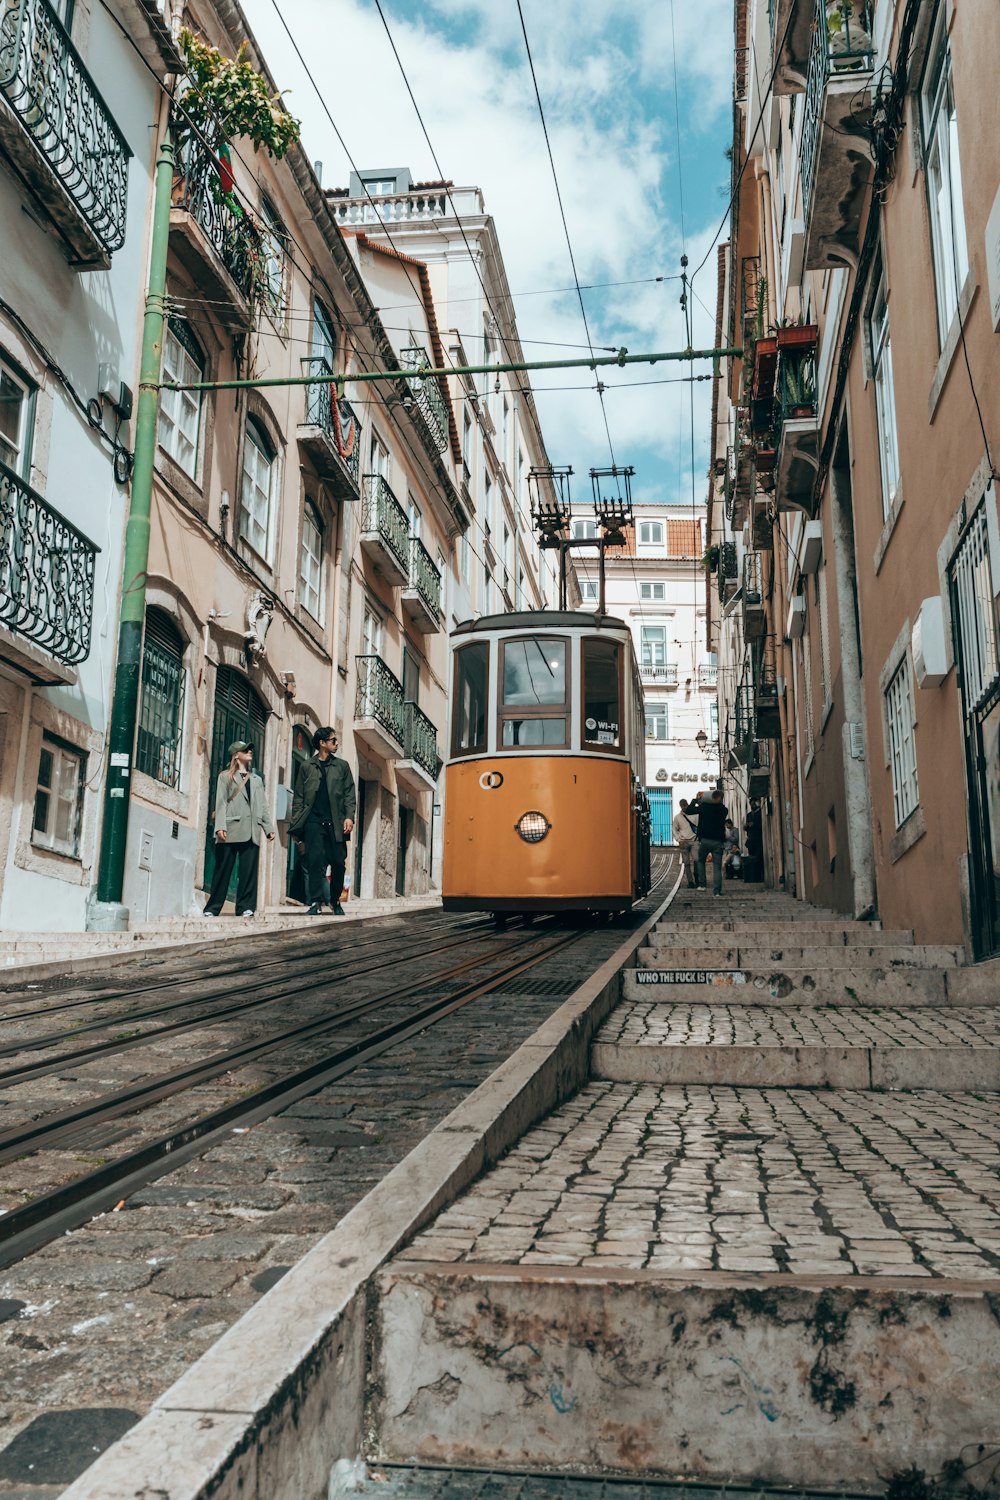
pixel 46 572
pixel 45 82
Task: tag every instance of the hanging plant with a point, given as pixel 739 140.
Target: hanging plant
pixel 225 98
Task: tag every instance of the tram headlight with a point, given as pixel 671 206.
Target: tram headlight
pixel 532 827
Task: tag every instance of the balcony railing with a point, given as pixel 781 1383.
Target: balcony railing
pixel 841 45
pixel 46 573
pixel 427 394
pixel 665 673
pixel 744 714
pixel 708 674
pixel 420 739
pixel 44 81
pixel 230 232
pixel 740 75
pixel 392 208
pixel 424 577
pixel 380 696
pixel 384 516
pixel 752 578
pixel 336 418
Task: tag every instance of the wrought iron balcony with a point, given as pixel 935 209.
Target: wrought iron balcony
pixel 728 571
pixel 744 718
pixel 664 675
pixel 385 531
pixel 218 240
pixel 46 573
pixel 331 433
pixel 60 134
pixel 422 595
pixel 797 459
pixel 759 769
pixel 836 157
pixel 753 596
pixel 427 394
pixel 380 721
pixel 767 716
pixel 708 674
pixel 420 764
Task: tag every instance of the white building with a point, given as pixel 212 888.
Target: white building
pixel 78 103
pixel 657 584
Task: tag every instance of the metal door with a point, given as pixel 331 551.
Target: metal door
pixel 974 623
pixel 661 800
pixel 402 839
pixel 295 882
pixel 240 714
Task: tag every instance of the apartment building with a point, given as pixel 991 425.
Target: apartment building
pixel 655 582
pixel 855 452
pixel 80 89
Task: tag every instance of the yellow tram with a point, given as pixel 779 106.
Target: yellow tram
pixel 545 808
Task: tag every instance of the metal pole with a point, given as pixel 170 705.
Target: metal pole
pixel 363 377
pixel 107 913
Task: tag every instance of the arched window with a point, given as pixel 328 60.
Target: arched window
pixel 311 562
pixel 180 411
pixel 161 705
pixel 257 489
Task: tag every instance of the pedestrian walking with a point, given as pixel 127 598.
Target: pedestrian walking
pixel 755 842
pixel 323 818
pixel 685 834
pixel 711 839
pixel 242 822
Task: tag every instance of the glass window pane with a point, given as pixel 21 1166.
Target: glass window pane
pixel 13 401
pixel 471 671
pixel 534 732
pixel 601 674
pixel 534 672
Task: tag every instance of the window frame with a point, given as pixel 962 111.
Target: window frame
pixel 596 746
pixel 311 517
pixel 644 629
pixel 583 530
pixel 657 541
pixel 656 708
pixel 26 422
pixel 936 104
pixel 480 747
pixel 652 597
pixel 589 589
pixel 274 237
pixel 191 353
pixel 521 711
pixel 54 747
pixel 883 380
pixel 263 445
pixel 901 721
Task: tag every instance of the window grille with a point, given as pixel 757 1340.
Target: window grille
pixel 158 743
pixel 902 751
pixel 975 616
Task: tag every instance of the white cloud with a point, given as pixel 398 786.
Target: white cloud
pixel 607 88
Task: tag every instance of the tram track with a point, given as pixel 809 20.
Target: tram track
pixel 70 1204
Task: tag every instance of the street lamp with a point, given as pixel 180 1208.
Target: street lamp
pixel 701 740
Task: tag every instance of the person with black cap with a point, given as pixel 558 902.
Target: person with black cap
pixel 323 817
pixel 242 822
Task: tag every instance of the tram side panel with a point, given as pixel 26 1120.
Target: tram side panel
pixel 586 857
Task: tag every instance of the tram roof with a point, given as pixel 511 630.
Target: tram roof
pixel 541 619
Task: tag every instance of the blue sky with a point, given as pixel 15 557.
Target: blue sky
pixel 606 75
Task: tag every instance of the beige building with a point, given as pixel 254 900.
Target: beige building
pixel 856 446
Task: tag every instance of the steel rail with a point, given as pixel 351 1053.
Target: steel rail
pixel 61 1124
pixel 65 1208
pixel 323 977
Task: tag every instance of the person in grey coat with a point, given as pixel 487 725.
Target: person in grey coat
pixel 242 822
pixel 323 817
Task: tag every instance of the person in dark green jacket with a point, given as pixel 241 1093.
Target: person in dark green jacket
pixel 323 817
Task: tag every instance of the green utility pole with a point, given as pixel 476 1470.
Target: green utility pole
pixel 107 913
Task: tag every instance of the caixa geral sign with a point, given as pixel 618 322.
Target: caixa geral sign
pixel 688 776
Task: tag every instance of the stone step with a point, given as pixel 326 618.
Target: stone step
pixel 766 933
pixel 855 1047
pixel 788 985
pixel 718 956
pixel 727 1285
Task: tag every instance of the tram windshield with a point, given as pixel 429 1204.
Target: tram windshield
pixel 534 708
pixel 602 694
pixel 468 735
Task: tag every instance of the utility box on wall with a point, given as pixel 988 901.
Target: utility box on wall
pixel 929 645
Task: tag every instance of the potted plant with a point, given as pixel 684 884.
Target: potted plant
pixel 711 559
pixel 797 383
pixel 798 336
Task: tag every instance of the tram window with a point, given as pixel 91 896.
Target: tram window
pixel 534 732
pixel 602 694
pixel 469 721
pixel 534 673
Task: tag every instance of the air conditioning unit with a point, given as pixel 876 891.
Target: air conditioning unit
pixel 929 645
pixel 811 549
pixel 795 627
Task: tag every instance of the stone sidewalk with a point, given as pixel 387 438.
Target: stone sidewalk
pixel 773 1214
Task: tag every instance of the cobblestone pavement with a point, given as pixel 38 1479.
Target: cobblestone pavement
pixel 637 1024
pixel 112 1314
pixel 833 1183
